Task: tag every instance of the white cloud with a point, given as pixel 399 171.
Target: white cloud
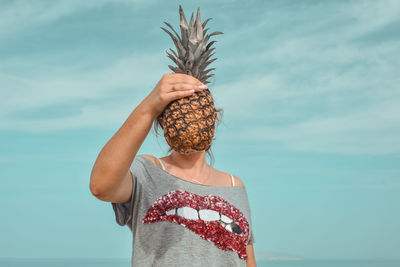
pixel 321 90
pixel 19 15
pixel 371 131
pixel 310 84
pixel 113 91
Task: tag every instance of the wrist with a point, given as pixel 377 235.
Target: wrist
pixel 147 109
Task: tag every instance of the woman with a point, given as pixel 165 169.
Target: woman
pixel 181 211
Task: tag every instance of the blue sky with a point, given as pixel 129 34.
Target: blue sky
pixel 310 92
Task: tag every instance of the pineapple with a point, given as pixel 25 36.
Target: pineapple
pixel 189 122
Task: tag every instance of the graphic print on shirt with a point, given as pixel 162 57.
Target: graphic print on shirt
pixel 211 217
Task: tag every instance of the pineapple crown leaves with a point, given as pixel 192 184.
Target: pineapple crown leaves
pixel 193 50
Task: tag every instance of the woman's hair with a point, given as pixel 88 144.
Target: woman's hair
pixel 157 125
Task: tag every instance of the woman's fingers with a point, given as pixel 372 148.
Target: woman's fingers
pixel 180 94
pixel 186 86
pixel 178 85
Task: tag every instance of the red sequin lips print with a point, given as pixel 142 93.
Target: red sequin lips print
pixel 211 217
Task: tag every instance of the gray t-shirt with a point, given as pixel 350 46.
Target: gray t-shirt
pixel 175 222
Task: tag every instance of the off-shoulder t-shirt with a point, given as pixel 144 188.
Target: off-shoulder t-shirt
pixel 175 222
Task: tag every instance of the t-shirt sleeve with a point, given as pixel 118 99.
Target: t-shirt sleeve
pixel 124 211
pixel 251 238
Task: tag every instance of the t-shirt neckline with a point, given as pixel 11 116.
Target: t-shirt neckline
pixel 183 180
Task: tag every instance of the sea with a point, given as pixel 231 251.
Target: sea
pixel 126 263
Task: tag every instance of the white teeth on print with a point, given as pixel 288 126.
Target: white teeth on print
pixel 226 219
pixel 188 213
pixel 170 212
pixel 209 215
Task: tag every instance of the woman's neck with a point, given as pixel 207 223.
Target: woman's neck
pixel 194 162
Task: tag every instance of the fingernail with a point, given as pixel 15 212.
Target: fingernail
pixel 203 86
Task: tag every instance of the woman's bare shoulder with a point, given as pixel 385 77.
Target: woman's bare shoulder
pixel 238 182
pixel 223 175
pixel 151 158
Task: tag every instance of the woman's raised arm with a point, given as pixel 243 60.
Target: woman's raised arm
pixel 110 172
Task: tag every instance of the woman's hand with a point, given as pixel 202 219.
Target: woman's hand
pixel 172 86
